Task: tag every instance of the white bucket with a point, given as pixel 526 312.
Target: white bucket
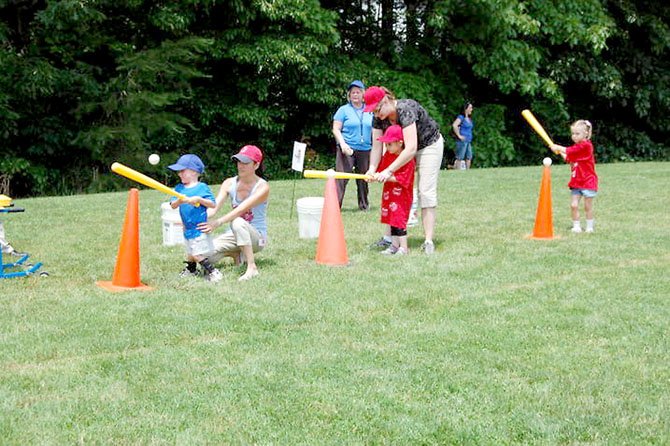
pixel 173 230
pixel 309 216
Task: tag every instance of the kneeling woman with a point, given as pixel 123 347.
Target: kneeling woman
pixel 248 194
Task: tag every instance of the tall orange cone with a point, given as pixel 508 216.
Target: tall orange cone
pixel 127 271
pixel 331 249
pixel 544 225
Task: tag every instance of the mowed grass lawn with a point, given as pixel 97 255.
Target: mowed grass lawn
pixel 495 339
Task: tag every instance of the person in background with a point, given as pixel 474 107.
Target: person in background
pixel 193 210
pixel 352 128
pixel 423 142
pixel 463 126
pixel 248 230
pixel 397 193
pixel 583 180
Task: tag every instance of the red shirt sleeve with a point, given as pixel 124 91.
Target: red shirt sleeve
pixel 581 151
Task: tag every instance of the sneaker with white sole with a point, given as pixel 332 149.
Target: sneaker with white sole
pixel 14 253
pixel 382 243
pixel 428 247
pixel 576 229
pixel 188 273
pixel 590 230
pixel 401 252
pixel 413 220
pixel 214 276
pixel 391 250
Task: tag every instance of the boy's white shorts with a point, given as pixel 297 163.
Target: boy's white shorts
pixel 199 246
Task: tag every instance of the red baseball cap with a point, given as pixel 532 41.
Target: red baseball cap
pixel 392 134
pixel 372 97
pixel 248 154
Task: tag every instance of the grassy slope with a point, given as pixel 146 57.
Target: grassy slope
pixel 495 339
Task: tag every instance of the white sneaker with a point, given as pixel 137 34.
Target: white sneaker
pixel 576 229
pixel 589 230
pixel 214 276
pixel 390 251
pixel 381 243
pixel 428 247
pixel 188 273
pixel 401 252
pixel 412 220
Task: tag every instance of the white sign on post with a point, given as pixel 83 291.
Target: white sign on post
pixel 298 160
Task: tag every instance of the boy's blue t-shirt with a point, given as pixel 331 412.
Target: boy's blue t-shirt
pixel 191 215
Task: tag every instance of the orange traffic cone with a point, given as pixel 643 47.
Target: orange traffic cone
pixel 127 270
pixel 544 225
pixel 331 249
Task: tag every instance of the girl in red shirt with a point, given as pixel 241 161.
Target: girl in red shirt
pixel 397 193
pixel 584 180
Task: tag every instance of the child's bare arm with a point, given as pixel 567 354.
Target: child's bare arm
pixel 558 149
pixel 201 201
pixel 206 202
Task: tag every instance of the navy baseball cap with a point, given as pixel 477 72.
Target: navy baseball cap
pixel 188 161
pixel 356 83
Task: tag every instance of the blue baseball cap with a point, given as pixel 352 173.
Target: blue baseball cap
pixel 356 83
pixel 188 161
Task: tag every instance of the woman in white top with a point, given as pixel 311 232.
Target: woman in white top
pixel 247 232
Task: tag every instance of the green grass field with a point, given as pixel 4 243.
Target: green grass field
pixel 495 339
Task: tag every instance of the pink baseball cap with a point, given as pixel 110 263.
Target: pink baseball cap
pixel 372 97
pixel 392 134
pixel 248 154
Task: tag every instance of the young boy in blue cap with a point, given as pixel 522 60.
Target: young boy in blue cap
pixel 193 210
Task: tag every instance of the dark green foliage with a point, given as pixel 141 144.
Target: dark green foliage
pixel 86 83
pixel 493 147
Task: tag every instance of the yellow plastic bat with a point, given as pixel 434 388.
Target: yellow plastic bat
pixel 337 175
pixel 537 127
pixel 138 177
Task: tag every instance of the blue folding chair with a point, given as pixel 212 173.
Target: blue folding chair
pixel 24 268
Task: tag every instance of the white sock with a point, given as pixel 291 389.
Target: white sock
pixel 589 224
pixel 388 238
pixel 575 224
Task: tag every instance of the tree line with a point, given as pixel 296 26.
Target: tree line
pixel 84 83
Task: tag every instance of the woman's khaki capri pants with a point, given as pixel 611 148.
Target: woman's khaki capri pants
pixel 428 162
pixel 241 234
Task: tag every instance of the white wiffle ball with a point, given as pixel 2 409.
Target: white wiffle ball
pixel 330 173
pixel 547 161
pixel 154 159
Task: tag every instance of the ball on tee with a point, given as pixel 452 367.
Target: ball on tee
pixel 330 173
pixel 154 159
pixel 547 161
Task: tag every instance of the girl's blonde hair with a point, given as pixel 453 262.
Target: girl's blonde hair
pixel 586 125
